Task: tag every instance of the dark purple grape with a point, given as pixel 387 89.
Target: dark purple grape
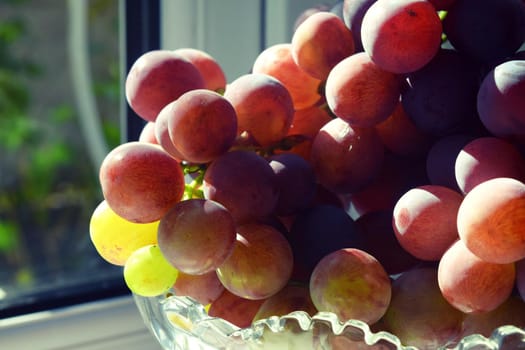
pixel 244 183
pixel 353 13
pixel 441 97
pixel 486 30
pixel 319 231
pixel 296 180
pixel 441 160
pixel 501 101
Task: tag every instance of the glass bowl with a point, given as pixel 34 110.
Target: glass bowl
pixel 181 323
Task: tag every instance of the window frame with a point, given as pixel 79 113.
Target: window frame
pixel 79 316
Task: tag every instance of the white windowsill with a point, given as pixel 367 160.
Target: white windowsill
pixel 108 324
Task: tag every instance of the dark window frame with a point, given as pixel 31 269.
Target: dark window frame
pixel 140 33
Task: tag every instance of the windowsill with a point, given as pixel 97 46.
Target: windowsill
pixel 108 324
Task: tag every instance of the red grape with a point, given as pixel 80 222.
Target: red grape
pixel 320 42
pixel 470 284
pixel 401 36
pixel 202 125
pixel 360 92
pixel 210 69
pixel 263 105
pixel 261 262
pixel 196 235
pixel 424 220
pixel 140 181
pixel 346 158
pixel 491 219
pixel 158 77
pixel 277 61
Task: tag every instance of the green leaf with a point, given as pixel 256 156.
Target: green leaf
pixel 9 236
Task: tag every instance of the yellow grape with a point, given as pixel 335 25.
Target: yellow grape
pixel 148 273
pixel 115 238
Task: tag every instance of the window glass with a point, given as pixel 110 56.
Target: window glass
pixel 60 102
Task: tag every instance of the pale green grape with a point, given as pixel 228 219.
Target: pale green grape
pixel 115 238
pixel 148 273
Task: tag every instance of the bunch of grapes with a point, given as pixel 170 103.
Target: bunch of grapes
pixel 371 167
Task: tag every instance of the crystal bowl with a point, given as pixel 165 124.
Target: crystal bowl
pixel 181 323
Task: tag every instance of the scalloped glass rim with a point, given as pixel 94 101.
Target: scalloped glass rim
pixel 181 323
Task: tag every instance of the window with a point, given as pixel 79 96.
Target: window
pixel 62 109
pixel 59 88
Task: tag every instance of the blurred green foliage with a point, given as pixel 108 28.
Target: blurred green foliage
pixel 47 189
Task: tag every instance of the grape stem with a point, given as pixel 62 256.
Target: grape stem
pixel 193 189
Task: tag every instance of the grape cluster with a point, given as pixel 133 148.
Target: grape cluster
pixel 372 167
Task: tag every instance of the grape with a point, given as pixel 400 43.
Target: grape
pixel 356 169
pixel 397 175
pixel 305 125
pixel 296 181
pixel 441 96
pixel 202 125
pixel 419 314
pixel 424 220
pixel 380 241
pixel 140 181
pixel 196 235
pixel 401 36
pixel 320 42
pixel 115 238
pixel 234 309
pixel 360 92
pixel 205 288
pixel 470 284
pixel 293 297
pixel 320 230
pixel 442 4
pixel 520 278
pixel 486 30
pixel 346 158
pixel 352 284
pixel 157 78
pixel 277 61
pixel 162 132
pixel 244 183
pixel 210 70
pixel 353 13
pixel 148 273
pixel 510 312
pixel 441 160
pixel 400 135
pixel 261 262
pixel 494 230
pixel 500 101
pixel 486 158
pixel 147 133
pixel 263 105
